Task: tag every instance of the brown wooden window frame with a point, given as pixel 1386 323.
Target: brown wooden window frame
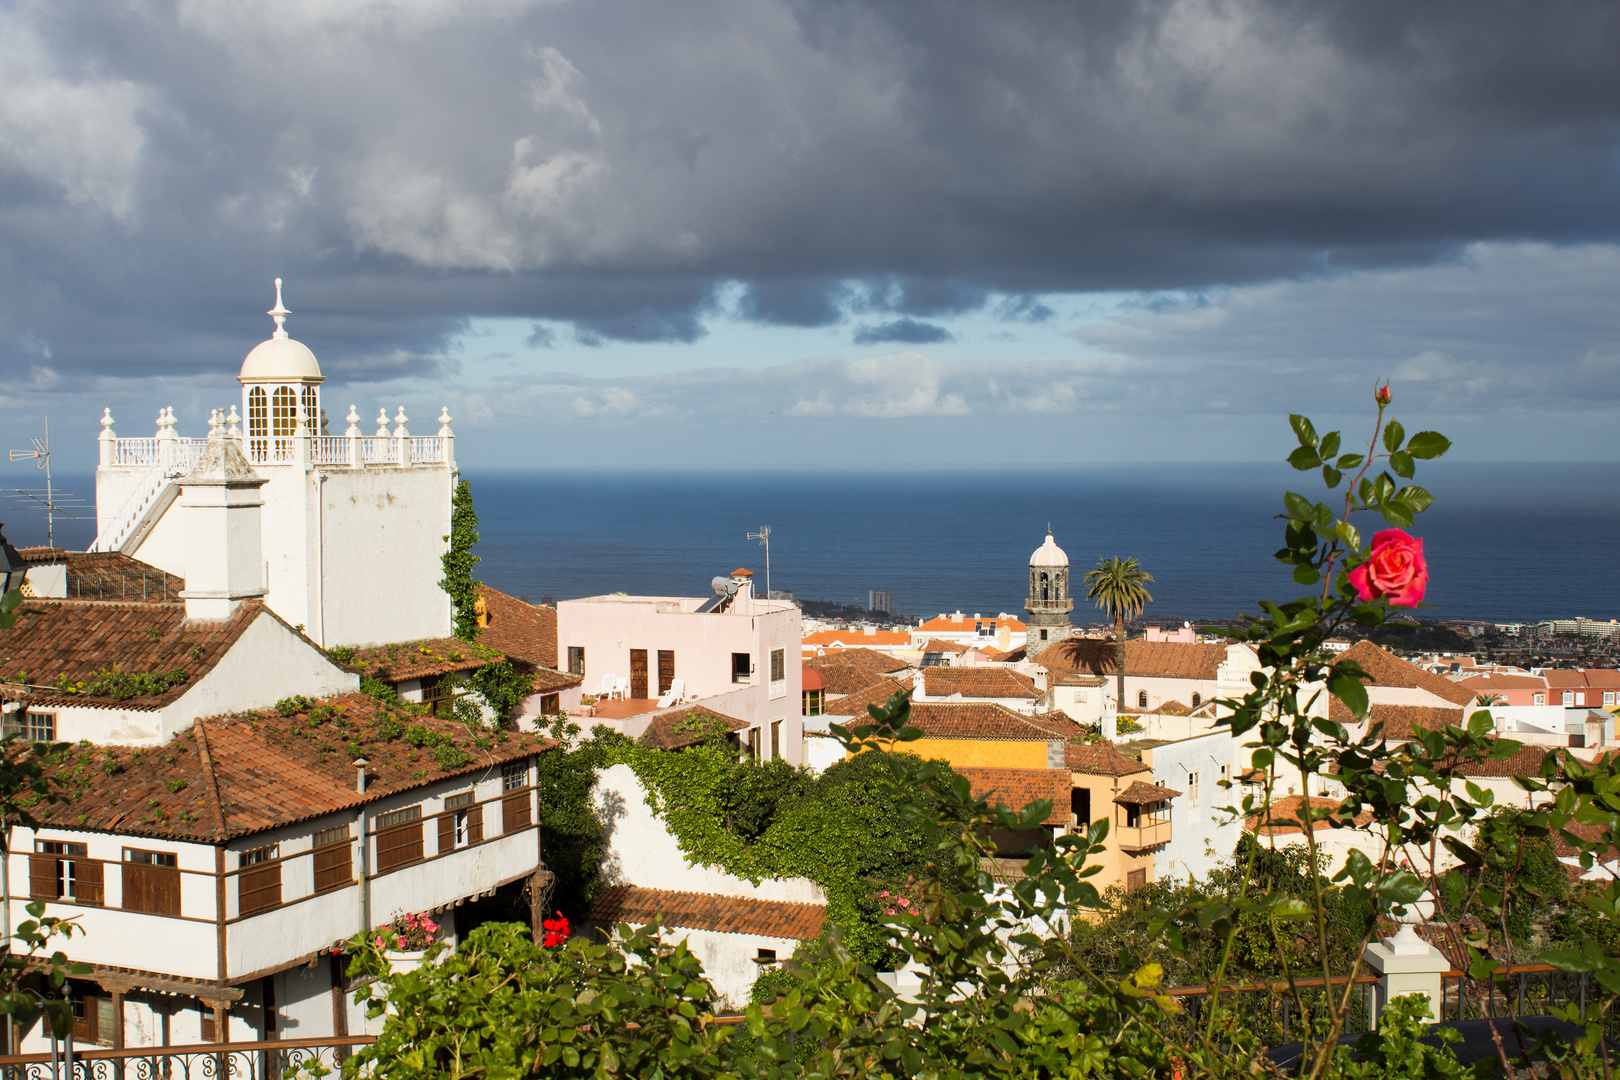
pixel 399 838
pixel 516 811
pixel 334 859
pixel 93 1018
pixel 462 823
pixel 742 667
pixel 151 882
pixel 258 879
pixel 576 659
pixel 62 870
pixel 776 740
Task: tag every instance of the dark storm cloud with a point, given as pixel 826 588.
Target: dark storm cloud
pixel 906 331
pixel 409 164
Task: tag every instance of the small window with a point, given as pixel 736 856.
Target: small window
pixel 1569 698
pixel 765 956
pixel 742 667
pixel 151 858
pixel 776 740
pixel 398 817
pixel 778 665
pixel 1141 699
pixel 576 660
pixel 455 829
pixel 1198 699
pixel 452 802
pixel 151 882
pixel 62 870
pixel 337 834
pixel 1608 697
pixel 1540 699
pixel 32 726
pixel 514 774
pixel 1043 633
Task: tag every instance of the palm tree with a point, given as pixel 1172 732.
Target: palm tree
pixel 1119 587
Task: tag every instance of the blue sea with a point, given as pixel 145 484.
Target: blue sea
pixel 1504 542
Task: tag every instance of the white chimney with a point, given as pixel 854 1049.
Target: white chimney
pixel 220 505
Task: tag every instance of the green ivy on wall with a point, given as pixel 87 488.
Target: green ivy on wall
pixel 459 562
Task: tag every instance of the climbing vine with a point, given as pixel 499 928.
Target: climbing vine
pixel 459 562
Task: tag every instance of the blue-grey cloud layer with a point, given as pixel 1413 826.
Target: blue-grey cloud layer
pixel 614 165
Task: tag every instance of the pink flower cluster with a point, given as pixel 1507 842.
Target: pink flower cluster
pixel 408 933
pixel 895 904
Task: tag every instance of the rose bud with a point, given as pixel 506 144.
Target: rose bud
pixel 1381 395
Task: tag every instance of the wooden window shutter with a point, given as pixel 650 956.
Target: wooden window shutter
pixel 515 812
pixel 334 867
pixel 42 877
pixel 475 824
pixel 92 887
pixel 666 670
pixel 447 831
pixel 258 888
pixel 399 845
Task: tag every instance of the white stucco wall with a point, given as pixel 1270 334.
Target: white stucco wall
pixel 1200 834
pixel 608 627
pixel 729 960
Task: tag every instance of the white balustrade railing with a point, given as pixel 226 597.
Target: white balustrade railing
pixel 178 456
pixel 331 450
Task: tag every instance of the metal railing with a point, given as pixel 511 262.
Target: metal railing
pixel 1517 990
pixel 203 1061
pixel 1271 1012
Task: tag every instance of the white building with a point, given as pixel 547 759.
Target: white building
pixel 1201 834
pixel 734 653
pixel 354 525
pixel 213 876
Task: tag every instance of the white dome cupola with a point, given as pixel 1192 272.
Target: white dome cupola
pixel 281 395
pixel 1049 554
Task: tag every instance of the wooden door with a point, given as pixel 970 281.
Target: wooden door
pixel 1135 879
pixel 666 670
pixel 638 673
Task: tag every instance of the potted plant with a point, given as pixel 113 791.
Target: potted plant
pixel 405 940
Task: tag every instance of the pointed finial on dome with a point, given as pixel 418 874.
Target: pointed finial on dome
pixel 279 313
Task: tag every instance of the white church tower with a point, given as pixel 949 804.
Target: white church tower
pixel 353 526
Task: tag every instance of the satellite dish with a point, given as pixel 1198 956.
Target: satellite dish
pixel 723 586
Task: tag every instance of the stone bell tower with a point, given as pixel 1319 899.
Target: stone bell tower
pixel 1049 601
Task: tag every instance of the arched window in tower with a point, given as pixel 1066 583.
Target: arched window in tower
pixel 283 421
pixel 258 423
pixel 1046 588
pixel 1141 699
pixel 1198 699
pixel 312 410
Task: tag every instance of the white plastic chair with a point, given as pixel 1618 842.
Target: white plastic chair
pixel 676 691
pixel 606 689
pixel 621 687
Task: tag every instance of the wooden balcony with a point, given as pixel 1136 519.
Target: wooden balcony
pixel 1149 834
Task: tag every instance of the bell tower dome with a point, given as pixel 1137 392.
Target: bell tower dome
pixel 1049 601
pixel 281 393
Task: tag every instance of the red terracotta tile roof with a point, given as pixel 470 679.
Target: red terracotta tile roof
pixel 78 639
pixel 422 659
pixel 1284 819
pixel 855 704
pixel 936 645
pixel 810 678
pixel 1401 721
pixel 846 678
pixel 978 682
pixel 1526 761
pixel 1497 680
pixel 521 630
pixel 870 659
pixel 1101 759
pixel 1017 788
pixel 1141 793
pixel 964 625
pixel 108 575
pixel 687 727
pixel 855 638
pixel 984 720
pixel 240 774
pixel 1146 659
pixel 1387 669
pixel 709 911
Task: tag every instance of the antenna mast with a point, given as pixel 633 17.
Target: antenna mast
pixel 764 537
pixel 41 453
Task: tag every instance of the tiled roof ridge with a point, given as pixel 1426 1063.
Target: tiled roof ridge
pixel 207 758
pixel 90 601
pixel 715 912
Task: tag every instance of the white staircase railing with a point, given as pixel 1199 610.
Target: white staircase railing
pixel 129 515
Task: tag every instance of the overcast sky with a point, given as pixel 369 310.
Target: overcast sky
pixel 753 232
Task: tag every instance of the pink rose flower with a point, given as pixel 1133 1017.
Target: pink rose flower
pixel 1395 569
pixel 1382 395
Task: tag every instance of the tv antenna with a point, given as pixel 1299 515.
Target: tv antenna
pixel 41 454
pixel 764 537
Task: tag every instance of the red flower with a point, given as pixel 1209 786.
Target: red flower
pixel 1395 568
pixel 1381 395
pixel 556 931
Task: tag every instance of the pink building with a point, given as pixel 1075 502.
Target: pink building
pixel 1510 689
pixel 734 653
